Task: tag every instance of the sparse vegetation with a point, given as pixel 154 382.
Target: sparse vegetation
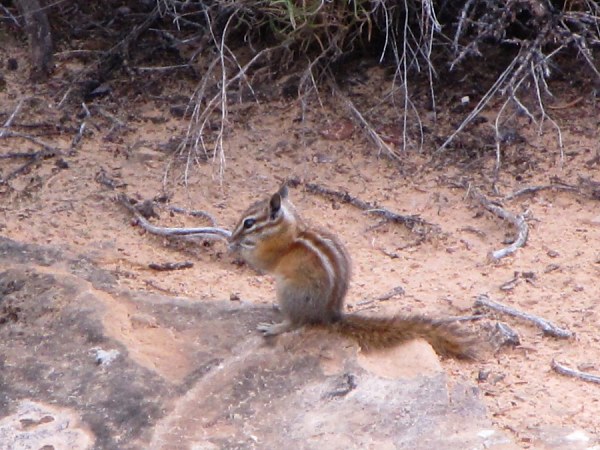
pixel 308 49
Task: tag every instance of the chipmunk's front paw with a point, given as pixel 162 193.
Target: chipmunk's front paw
pixel 273 329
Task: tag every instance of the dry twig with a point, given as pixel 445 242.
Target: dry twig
pixel 564 370
pixel 201 233
pixel 171 266
pixel 547 327
pixel 585 186
pixel 33 157
pixel 9 121
pixel 397 291
pixel 412 222
pixel 517 221
pixel 533 189
pixel 194 213
pixel 364 124
pixel 44 145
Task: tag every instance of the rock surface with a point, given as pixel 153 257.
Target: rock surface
pixel 87 364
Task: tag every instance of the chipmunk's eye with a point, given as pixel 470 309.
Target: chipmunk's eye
pixel 249 223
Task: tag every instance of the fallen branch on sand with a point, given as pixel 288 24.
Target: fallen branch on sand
pixel 585 186
pixel 198 233
pixel 567 371
pixel 518 221
pixel 413 222
pixel 164 267
pixel 548 328
pixel 533 189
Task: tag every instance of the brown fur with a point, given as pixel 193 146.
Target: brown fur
pixel 446 338
pixel 312 270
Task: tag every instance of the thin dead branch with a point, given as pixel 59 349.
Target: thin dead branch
pixel 567 371
pixel 32 159
pixel 194 213
pixel 566 105
pixel 9 15
pixel 78 137
pixel 548 328
pixel 165 267
pixel 9 121
pixel 413 222
pixel 197 233
pixel 517 221
pixel 585 186
pixel 362 122
pixel 47 147
pixel 395 292
pixel 107 115
pixel 534 189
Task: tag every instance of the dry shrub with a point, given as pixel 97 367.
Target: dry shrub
pixel 233 46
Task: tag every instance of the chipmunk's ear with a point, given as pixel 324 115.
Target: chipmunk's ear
pixel 276 199
pixel 283 190
pixel 275 204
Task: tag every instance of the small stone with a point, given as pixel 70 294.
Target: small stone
pixel 61 164
pixel 104 357
pixel 503 335
pixel 551 268
pixel 181 111
pixel 577 436
pixel 486 433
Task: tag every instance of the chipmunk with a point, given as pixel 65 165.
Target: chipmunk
pixel 312 272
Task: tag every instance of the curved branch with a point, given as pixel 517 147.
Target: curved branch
pixel 547 327
pixel 564 370
pixel 518 221
pixel 203 232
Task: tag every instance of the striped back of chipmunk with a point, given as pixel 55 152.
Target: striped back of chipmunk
pixel 335 261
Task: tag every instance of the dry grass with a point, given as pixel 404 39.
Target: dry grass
pixel 235 45
pixel 418 39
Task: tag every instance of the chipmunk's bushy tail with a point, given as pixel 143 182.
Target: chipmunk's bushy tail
pixel 447 338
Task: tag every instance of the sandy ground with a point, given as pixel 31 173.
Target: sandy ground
pixel 555 275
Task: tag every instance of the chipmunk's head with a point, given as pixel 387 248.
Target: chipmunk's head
pixel 266 223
